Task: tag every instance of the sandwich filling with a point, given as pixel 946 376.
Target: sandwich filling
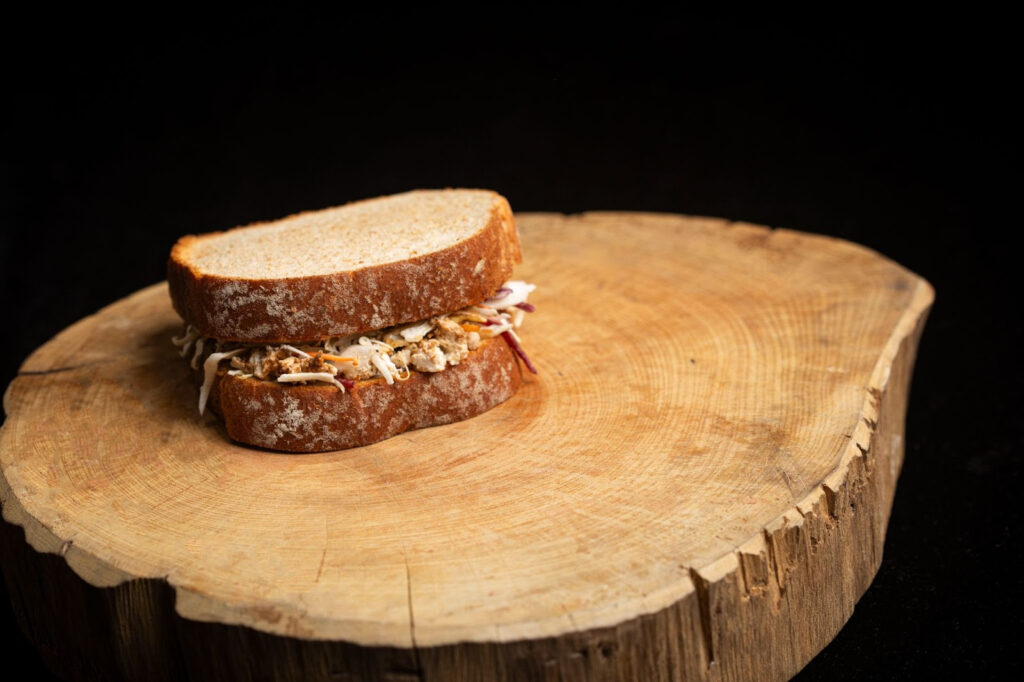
pixel 391 354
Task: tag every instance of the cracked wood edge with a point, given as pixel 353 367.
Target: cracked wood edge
pixel 824 522
pixel 757 575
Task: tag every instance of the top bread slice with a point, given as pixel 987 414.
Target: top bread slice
pixel 359 267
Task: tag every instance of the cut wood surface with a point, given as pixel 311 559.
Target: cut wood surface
pixel 696 485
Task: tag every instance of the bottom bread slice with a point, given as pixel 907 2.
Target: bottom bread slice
pixel 320 417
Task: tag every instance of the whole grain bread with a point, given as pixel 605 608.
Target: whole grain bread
pixel 354 268
pixel 316 418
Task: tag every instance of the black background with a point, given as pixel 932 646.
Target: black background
pixel 117 142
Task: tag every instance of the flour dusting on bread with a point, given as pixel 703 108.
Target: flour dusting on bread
pixel 280 287
pixel 342 327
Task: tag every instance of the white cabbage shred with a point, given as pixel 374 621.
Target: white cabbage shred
pixel 293 349
pixel 209 372
pixel 325 377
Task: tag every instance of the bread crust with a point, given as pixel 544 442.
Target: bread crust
pixel 342 303
pixel 316 418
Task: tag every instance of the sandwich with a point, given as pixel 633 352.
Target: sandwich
pixel 342 327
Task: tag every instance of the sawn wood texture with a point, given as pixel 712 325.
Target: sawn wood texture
pixel 695 486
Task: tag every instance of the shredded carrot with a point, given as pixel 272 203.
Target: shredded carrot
pixel 470 327
pixel 338 358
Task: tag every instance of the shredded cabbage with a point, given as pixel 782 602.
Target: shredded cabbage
pixel 209 372
pixel 325 377
pixel 186 340
pixel 513 292
pixel 293 349
pixel 416 332
pixel 384 365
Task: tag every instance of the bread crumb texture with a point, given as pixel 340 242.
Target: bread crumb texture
pixel 350 237
pixel 359 267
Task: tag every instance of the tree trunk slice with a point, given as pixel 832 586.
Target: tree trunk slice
pixel 695 486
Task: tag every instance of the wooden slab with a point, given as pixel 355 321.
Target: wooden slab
pixel 696 484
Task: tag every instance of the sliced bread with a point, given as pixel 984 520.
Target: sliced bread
pixel 358 267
